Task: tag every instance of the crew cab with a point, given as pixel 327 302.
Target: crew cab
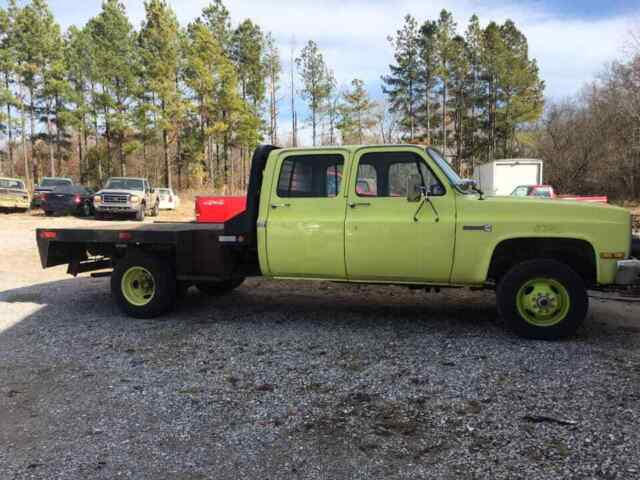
pixel 547 191
pixel 126 196
pixel 417 224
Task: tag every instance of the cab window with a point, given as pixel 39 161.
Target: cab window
pixel 521 192
pixel 310 176
pixel 385 174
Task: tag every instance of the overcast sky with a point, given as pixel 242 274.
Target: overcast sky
pixel 570 39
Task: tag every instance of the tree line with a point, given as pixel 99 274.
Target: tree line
pixel 160 101
pixel 591 142
pixel 465 93
pixel 185 105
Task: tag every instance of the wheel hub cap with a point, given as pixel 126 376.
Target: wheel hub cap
pixel 543 302
pixel 138 286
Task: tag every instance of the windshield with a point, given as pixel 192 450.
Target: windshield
pixel 54 182
pixel 124 184
pixel 453 177
pixel 10 183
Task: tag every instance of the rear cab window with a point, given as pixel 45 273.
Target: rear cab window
pixel 310 176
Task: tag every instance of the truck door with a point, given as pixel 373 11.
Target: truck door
pixel 305 223
pixel 389 238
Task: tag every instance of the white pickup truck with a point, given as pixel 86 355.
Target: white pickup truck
pixel 126 196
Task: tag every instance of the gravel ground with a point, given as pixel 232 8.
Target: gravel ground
pixel 302 380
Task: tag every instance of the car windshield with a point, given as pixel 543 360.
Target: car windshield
pixel 124 184
pixel 453 177
pixel 54 182
pixel 10 183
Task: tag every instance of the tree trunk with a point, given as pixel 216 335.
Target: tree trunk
pixel 9 132
pixel 98 156
pixel 444 118
pixel 52 163
pixel 34 161
pixel 58 147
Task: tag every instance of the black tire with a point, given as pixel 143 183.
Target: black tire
pixel 517 278
pixel 164 283
pixel 98 216
pixel 140 214
pixel 86 210
pixel 156 210
pixel 216 289
pixel 48 213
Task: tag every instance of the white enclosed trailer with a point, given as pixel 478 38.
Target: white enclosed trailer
pixel 501 177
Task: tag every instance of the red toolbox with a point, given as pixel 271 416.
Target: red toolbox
pixel 219 209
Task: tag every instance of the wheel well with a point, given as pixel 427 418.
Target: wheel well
pixel 577 254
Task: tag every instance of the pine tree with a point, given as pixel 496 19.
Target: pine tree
pixel 34 29
pixel 114 55
pixel 446 52
pixel 357 115
pixel 316 82
pixel 402 86
pixel 211 76
pixel 247 52
pixel 7 72
pixel 273 69
pixel 78 65
pixel 159 53
pixel 428 79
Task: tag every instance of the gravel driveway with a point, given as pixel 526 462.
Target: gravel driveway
pixel 302 380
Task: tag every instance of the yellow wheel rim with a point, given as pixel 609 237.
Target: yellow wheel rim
pixel 138 286
pixel 543 302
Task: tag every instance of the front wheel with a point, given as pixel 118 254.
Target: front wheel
pixel 215 289
pixel 140 214
pixel 143 285
pixel 156 210
pixel 543 299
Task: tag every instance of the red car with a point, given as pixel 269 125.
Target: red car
pixel 547 191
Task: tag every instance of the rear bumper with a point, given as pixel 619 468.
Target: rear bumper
pixel 14 203
pixel 628 272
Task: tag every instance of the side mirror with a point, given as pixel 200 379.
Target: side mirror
pixel 415 189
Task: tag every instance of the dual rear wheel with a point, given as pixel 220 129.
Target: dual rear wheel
pixel 144 285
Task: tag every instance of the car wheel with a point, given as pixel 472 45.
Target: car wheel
pixel 156 210
pixel 143 285
pixel 215 289
pixel 86 210
pixel 140 214
pixel 543 299
pixel 48 213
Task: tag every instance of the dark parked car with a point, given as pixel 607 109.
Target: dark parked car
pixel 47 185
pixel 65 199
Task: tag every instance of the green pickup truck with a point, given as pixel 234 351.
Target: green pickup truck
pixel 396 215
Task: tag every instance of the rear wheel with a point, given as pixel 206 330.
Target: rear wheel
pixel 143 285
pixel 219 288
pixel 156 210
pixel 543 299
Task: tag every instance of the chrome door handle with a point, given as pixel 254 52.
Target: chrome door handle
pixel 280 205
pixel 359 204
